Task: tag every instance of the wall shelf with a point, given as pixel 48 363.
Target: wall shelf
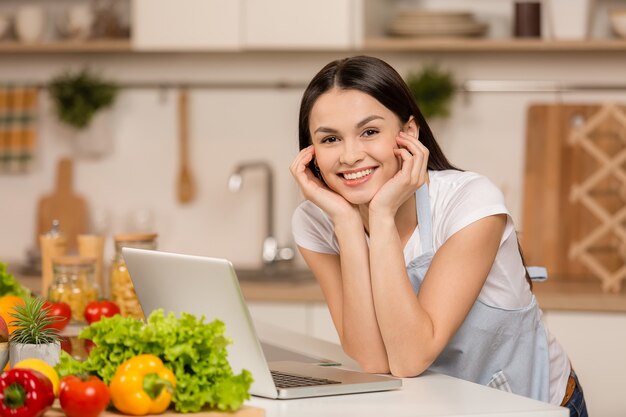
pixel 492 45
pixel 383 44
pixel 93 46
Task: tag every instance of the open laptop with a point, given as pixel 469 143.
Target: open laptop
pixel 209 287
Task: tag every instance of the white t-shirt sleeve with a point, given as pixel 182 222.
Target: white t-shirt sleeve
pixel 471 200
pixel 313 230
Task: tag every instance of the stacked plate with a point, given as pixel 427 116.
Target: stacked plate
pixel 431 23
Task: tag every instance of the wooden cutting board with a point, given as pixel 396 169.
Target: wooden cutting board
pixel 65 205
pixel 552 222
pixel 244 411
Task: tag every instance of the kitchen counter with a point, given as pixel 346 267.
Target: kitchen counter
pixel 429 394
pixel 552 295
pixel 578 296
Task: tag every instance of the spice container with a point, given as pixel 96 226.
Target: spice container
pixel 122 290
pixel 53 245
pixel 73 283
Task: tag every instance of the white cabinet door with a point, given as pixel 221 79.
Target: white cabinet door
pixel 290 316
pixel 186 24
pixel 321 323
pixel 301 24
pixel 596 345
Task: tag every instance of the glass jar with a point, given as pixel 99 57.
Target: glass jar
pixel 73 283
pixel 122 290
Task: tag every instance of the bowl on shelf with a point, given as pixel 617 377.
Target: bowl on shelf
pixel 618 22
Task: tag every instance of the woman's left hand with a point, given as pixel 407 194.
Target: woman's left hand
pixel 413 173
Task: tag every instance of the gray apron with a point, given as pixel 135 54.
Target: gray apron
pixel 504 349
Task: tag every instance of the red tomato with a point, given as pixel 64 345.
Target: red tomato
pixel 95 310
pixel 84 396
pixel 66 344
pixel 59 309
pixel 88 345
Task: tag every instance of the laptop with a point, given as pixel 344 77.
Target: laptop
pixel 209 287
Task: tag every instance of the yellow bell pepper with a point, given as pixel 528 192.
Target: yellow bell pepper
pixel 142 385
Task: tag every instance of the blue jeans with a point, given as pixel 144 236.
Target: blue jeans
pixel 576 404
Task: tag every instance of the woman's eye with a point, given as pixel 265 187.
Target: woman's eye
pixel 370 132
pixel 329 139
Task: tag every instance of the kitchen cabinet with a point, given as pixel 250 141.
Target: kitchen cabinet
pixel 596 345
pixel 311 319
pixel 186 25
pixel 301 24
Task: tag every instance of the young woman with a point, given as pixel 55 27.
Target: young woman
pixel 419 261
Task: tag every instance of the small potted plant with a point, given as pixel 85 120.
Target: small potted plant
pixel 33 336
pixel 78 97
pixel 79 100
pixel 433 90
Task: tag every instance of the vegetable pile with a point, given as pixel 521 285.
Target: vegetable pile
pixel 193 350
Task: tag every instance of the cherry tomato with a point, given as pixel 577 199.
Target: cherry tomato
pixel 88 345
pixel 95 310
pixel 83 396
pixel 61 310
pixel 66 344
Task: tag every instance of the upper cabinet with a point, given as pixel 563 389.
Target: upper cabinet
pixel 301 24
pixel 186 25
pixel 192 25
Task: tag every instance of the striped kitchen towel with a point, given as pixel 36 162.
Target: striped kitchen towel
pixel 18 122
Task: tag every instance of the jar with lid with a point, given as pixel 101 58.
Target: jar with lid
pixel 122 290
pixel 73 283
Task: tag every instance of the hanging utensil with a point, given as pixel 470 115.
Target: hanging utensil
pixel 186 184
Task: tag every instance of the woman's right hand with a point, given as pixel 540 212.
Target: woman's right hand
pixel 316 191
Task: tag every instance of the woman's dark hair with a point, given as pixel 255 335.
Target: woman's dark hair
pixel 379 80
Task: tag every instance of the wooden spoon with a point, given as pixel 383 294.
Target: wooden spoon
pixel 186 184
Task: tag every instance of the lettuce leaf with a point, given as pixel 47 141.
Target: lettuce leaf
pixel 9 285
pixel 194 350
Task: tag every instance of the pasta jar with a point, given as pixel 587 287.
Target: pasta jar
pixel 73 283
pixel 122 290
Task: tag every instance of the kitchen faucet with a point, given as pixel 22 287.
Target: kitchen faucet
pixel 271 251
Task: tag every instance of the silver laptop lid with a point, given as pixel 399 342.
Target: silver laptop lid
pixel 202 286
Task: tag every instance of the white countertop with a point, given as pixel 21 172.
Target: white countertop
pixel 429 394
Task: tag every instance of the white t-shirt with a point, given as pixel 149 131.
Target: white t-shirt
pixel 457 199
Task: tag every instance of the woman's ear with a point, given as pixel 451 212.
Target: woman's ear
pixel 411 127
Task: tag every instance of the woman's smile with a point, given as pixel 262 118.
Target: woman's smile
pixel 356 177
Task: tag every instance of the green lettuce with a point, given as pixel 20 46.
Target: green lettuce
pixel 9 285
pixel 194 350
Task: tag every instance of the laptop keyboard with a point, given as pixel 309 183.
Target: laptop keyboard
pixel 283 380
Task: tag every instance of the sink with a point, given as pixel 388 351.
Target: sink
pixel 275 273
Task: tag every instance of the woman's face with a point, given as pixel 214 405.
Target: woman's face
pixel 354 135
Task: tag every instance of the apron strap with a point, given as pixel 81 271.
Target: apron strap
pixel 424 218
pixel 537 273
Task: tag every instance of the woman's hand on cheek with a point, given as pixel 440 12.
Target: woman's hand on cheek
pixel 315 190
pixel 412 174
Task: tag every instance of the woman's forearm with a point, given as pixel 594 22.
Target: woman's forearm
pixel 360 335
pixel 405 327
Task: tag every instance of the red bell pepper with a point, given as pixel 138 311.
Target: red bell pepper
pixel 24 393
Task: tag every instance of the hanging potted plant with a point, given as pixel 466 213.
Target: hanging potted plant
pixel 33 337
pixel 433 90
pixel 79 100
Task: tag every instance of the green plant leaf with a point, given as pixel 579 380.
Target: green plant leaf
pixel 32 323
pixel 78 97
pixel 433 90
